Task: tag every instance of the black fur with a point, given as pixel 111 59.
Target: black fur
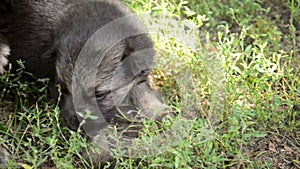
pixel 49 36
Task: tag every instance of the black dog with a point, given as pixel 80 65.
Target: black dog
pixel 97 51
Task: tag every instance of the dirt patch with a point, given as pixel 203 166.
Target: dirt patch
pixel 274 151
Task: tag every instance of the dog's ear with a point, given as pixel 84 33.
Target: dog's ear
pixel 50 55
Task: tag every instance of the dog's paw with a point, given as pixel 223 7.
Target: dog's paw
pixel 4 52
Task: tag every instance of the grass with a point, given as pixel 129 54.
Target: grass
pixel 235 86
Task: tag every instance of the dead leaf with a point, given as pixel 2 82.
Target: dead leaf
pixel 278 140
pixel 272 147
pixel 288 149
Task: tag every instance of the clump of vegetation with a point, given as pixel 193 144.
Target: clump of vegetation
pixel 229 69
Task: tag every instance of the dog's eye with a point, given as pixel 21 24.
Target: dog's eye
pixel 100 95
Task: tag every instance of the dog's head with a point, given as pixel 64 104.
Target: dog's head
pixel 98 59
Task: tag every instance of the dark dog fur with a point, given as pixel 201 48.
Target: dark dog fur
pixel 49 35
